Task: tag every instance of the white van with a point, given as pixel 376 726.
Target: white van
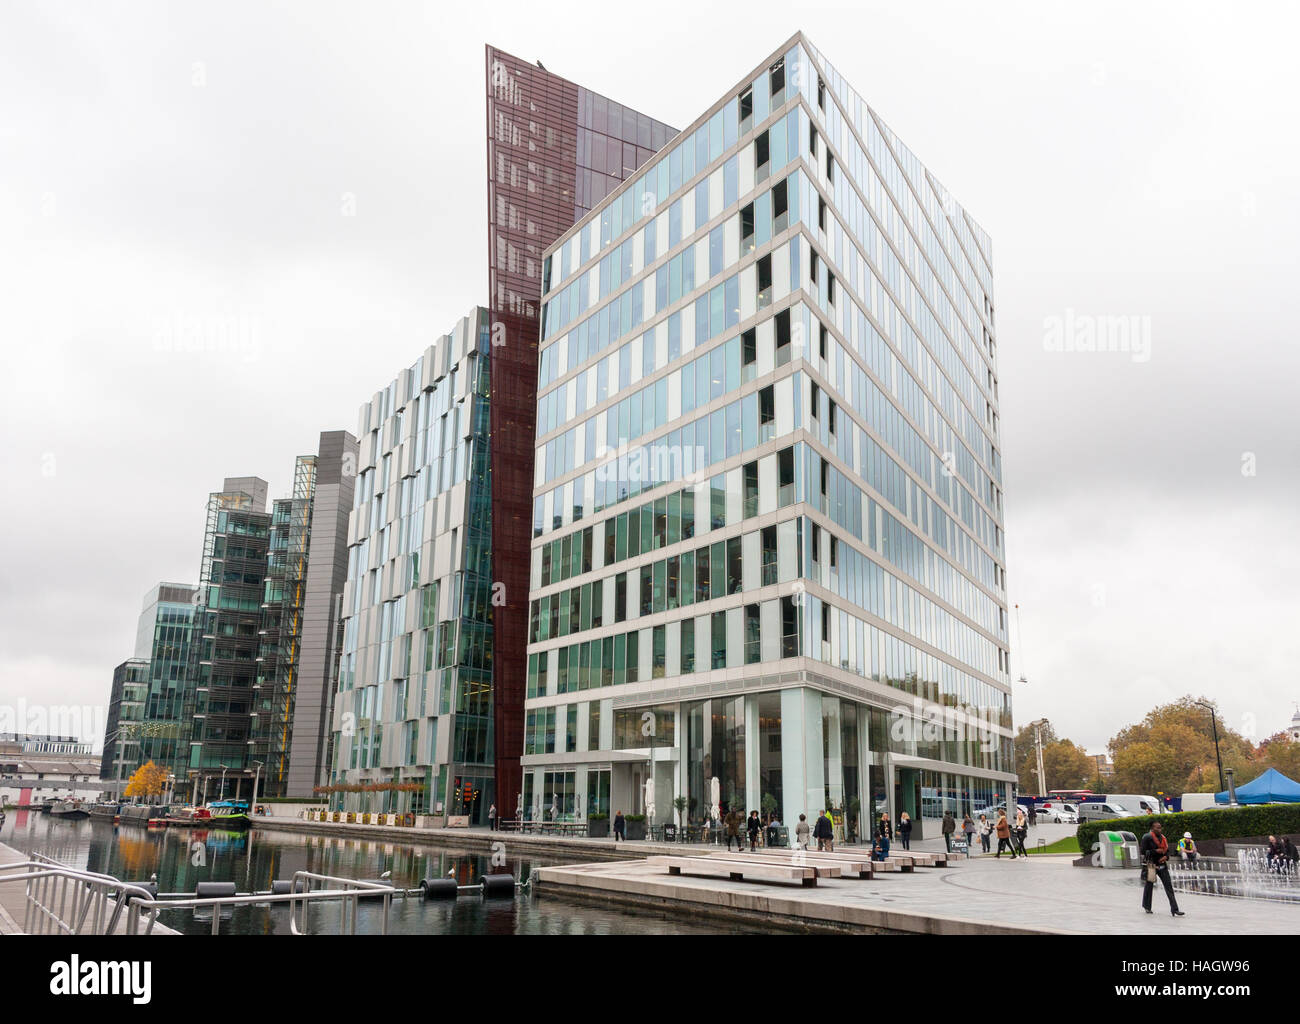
pixel 1136 803
pixel 1094 810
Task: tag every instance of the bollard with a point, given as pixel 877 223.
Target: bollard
pixel 213 890
pixel 439 888
pixel 498 885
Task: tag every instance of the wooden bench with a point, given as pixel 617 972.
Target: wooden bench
pixel 848 864
pixel 757 869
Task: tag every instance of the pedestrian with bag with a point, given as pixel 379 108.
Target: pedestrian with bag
pixel 802 832
pixel 986 833
pixel 968 826
pixel 1154 850
pixel 754 826
pixel 1004 836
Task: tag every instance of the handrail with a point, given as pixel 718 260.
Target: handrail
pixel 60 899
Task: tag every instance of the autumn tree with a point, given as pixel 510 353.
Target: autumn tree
pixel 1065 764
pixel 1172 751
pixel 147 780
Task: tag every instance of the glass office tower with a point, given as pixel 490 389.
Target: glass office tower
pixel 767 566
pixel 146 720
pixel 553 150
pixel 412 714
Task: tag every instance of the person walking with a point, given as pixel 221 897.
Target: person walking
pixel 1033 815
pixel 949 827
pixel 754 827
pixel 1187 848
pixel 620 827
pixel 884 832
pixel 824 833
pixel 905 830
pixel 492 817
pixel 1004 836
pixel 1019 832
pixel 986 833
pixel 1154 850
pixel 732 823
pixel 968 826
pixel 801 833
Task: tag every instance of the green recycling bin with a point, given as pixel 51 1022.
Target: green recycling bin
pixel 1110 849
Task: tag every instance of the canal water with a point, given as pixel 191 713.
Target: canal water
pixel 181 858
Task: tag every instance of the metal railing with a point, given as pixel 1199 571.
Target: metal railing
pixel 68 901
pixel 350 891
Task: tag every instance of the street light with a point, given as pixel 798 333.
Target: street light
pixel 1038 747
pixel 256 777
pixel 1215 726
pixel 224 769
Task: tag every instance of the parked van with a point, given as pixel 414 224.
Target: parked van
pixel 1199 802
pixel 1094 810
pixel 1136 803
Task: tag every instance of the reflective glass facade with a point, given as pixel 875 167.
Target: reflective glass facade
pixel 413 704
pixel 767 487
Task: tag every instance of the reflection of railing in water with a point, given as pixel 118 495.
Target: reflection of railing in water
pixel 1249 875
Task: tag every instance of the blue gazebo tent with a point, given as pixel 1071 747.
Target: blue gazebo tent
pixel 1271 787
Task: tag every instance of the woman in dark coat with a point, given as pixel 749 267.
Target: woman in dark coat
pixel 905 830
pixel 753 826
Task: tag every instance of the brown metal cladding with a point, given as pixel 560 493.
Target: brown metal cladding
pixel 537 189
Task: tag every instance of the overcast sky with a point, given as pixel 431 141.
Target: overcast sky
pixel 301 186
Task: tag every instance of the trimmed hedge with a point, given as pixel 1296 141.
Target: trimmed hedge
pixel 1220 823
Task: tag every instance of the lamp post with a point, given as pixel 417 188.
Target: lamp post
pixel 1215 726
pixel 224 769
pixel 256 778
pixel 1038 749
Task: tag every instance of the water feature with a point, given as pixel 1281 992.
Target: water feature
pixel 182 857
pixel 1248 875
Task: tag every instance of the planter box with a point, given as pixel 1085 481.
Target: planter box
pixel 635 830
pixel 598 828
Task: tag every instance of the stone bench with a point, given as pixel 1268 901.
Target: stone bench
pixel 825 869
pixel 757 869
pixel 847 864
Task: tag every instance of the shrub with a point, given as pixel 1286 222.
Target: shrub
pixel 635 817
pixel 597 817
pixel 1220 823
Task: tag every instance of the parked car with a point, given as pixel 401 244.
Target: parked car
pixel 1059 812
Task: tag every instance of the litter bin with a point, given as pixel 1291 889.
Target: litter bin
pixel 1130 849
pixel 1110 849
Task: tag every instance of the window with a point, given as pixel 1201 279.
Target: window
pixel 753 635
pixel 620 597
pixel 658 659
pixel 687 647
pixel 830 167
pixel 735 566
pixel 750 473
pixel 782 322
pixel 718 501
pixel 776 78
pixel 702 586
pixel 780 207
pixel 789 628
pixel 769 565
pixel 764 281
pixel 785 477
pixel 766 414
pixel 719 639
pixel 746 114
pixel 821 213
pixel 821 93
pixel 747 228
pixel 762 154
